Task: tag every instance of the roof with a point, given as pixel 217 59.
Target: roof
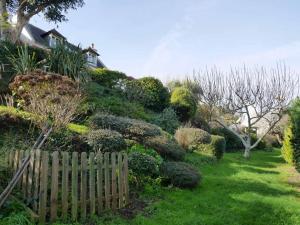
pixel 89 49
pixel 53 31
pixel 36 34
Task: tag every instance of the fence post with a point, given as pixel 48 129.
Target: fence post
pixel 113 181
pixel 107 180
pixel 126 179
pixel 30 176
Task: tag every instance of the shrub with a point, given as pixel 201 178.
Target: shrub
pixel 99 98
pixel 189 138
pixel 165 146
pixel 199 122
pixel 287 150
pixel 183 103
pixel 271 141
pixel 129 128
pixel 107 78
pixel 106 140
pixel 294 113
pixel 261 145
pixel 233 143
pixel 167 120
pixel 180 174
pixel 215 148
pixel 148 91
pixel 143 165
pixel 146 151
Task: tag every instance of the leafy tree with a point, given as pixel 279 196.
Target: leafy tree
pixel 183 102
pixel 53 10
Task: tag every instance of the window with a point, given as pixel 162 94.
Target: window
pixel 53 41
pixel 91 58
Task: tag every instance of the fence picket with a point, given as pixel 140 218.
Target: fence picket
pixel 113 181
pixel 126 179
pixel 36 180
pixel 16 161
pixel 30 177
pixel 43 188
pixel 83 184
pixel 74 185
pixel 120 179
pixel 92 183
pixel 25 177
pixel 65 179
pixel 54 186
pixel 106 180
pixel 100 182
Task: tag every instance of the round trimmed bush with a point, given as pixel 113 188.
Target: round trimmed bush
pixel 184 103
pixel 143 165
pixel 148 91
pixel 166 147
pixel 180 174
pixel 189 138
pixel 106 140
pixel 129 128
pixel 106 77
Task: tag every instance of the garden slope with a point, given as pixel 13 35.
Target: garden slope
pixel 234 191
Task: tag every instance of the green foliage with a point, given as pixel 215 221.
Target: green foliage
pixel 287 149
pixel 24 62
pixel 129 128
pixel 143 165
pixel 233 143
pixel 77 128
pixel 180 174
pixel 107 78
pixel 68 62
pixel 146 151
pixel 291 143
pixel 105 140
pixel 149 91
pixel 99 98
pixel 166 146
pixel 52 10
pixel 190 138
pixel 184 103
pixel 167 120
pixel 215 148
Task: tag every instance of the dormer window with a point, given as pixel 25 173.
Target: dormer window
pixel 54 41
pixel 53 38
pixel 91 56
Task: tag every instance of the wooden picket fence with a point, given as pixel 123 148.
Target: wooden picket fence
pixel 72 185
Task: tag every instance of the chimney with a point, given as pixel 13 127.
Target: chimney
pixel 93 46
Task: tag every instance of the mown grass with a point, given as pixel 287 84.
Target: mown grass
pixel 234 191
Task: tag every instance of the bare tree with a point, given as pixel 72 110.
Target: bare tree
pixel 258 96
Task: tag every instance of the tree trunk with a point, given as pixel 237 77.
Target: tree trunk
pixel 247 152
pixel 3 16
pixel 15 31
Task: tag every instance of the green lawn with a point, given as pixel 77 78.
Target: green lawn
pixel 234 192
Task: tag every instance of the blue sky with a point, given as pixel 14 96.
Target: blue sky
pixel 171 38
